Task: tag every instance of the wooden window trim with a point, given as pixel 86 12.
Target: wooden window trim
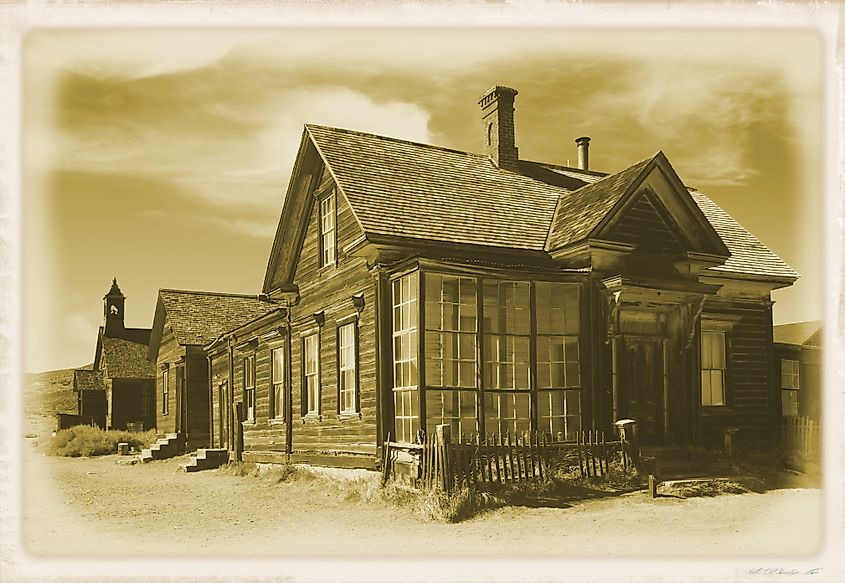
pixel 328 193
pixel 726 404
pixel 165 391
pixel 356 412
pixel 272 417
pixel 305 400
pixel 249 390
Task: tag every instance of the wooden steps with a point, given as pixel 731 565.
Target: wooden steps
pixel 165 447
pixel 207 459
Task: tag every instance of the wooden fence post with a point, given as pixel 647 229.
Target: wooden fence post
pixel 444 440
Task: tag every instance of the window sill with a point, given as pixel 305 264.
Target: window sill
pixel 349 416
pixel 312 418
pixel 248 422
pixel 276 421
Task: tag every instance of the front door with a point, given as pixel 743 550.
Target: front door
pixel 642 386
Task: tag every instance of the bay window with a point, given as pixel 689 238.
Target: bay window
pixel 507 356
pixel 451 316
pixel 406 399
pixel 558 360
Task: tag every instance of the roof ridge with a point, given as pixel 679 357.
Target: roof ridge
pixel 571 168
pixel 400 140
pixel 606 176
pixel 208 293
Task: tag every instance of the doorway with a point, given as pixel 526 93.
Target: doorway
pixel 642 385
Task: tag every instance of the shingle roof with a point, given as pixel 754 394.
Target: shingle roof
pixel 579 212
pixel 124 359
pixel 414 190
pixel 748 254
pixel 200 317
pixel 87 380
pixel 798 333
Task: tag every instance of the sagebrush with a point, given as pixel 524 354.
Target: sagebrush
pixel 84 441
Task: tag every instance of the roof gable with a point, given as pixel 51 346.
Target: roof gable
pixel 653 193
pixel 198 317
pixel 399 190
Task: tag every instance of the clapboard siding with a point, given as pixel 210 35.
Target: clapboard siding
pixel 265 433
pixel 169 353
pixel 643 225
pixel 330 289
pixel 748 384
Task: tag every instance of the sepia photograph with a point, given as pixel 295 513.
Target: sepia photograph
pixel 291 298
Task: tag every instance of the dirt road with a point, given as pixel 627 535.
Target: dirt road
pixel 96 507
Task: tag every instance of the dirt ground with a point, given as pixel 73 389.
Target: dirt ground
pixel 98 507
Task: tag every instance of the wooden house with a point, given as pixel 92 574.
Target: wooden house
pixel 798 368
pixel 118 393
pixel 424 285
pixel 183 323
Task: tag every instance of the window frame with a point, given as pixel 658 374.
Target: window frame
pixel 793 391
pixel 723 335
pixel 355 410
pixel 276 409
pixel 249 388
pixel 327 196
pixel 165 390
pixel 311 403
pixel 411 416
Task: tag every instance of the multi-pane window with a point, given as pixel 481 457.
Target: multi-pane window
pixel 558 359
pixel 451 315
pixel 327 230
pixel 347 368
pixel 405 374
pixel 249 387
pixel 507 356
pixel 277 362
pixel 165 391
pixel 712 368
pixel 311 374
pixel 790 383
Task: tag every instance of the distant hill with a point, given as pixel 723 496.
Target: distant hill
pixel 51 392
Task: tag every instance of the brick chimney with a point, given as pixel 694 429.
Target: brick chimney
pixel 583 152
pixel 497 117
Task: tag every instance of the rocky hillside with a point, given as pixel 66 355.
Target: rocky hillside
pixel 48 393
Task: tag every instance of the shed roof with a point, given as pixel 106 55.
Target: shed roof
pixel 198 317
pixel 799 333
pixel 412 190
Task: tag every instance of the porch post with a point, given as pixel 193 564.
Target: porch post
pixel 614 354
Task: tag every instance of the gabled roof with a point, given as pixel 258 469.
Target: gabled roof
pixel 198 317
pixel 748 254
pixel 124 359
pixel 88 380
pixel 799 333
pixel 407 190
pixel 579 212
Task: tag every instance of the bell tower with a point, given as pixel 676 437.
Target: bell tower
pixel 113 303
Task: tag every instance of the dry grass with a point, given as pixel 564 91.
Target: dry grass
pixel 85 441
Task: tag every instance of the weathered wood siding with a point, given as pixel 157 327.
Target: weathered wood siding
pixel 127 403
pixel 644 226
pixel 750 404
pixel 219 422
pixel 330 289
pixel 169 353
pixel 196 389
pixel 265 435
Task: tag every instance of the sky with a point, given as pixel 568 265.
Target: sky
pixel 161 156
